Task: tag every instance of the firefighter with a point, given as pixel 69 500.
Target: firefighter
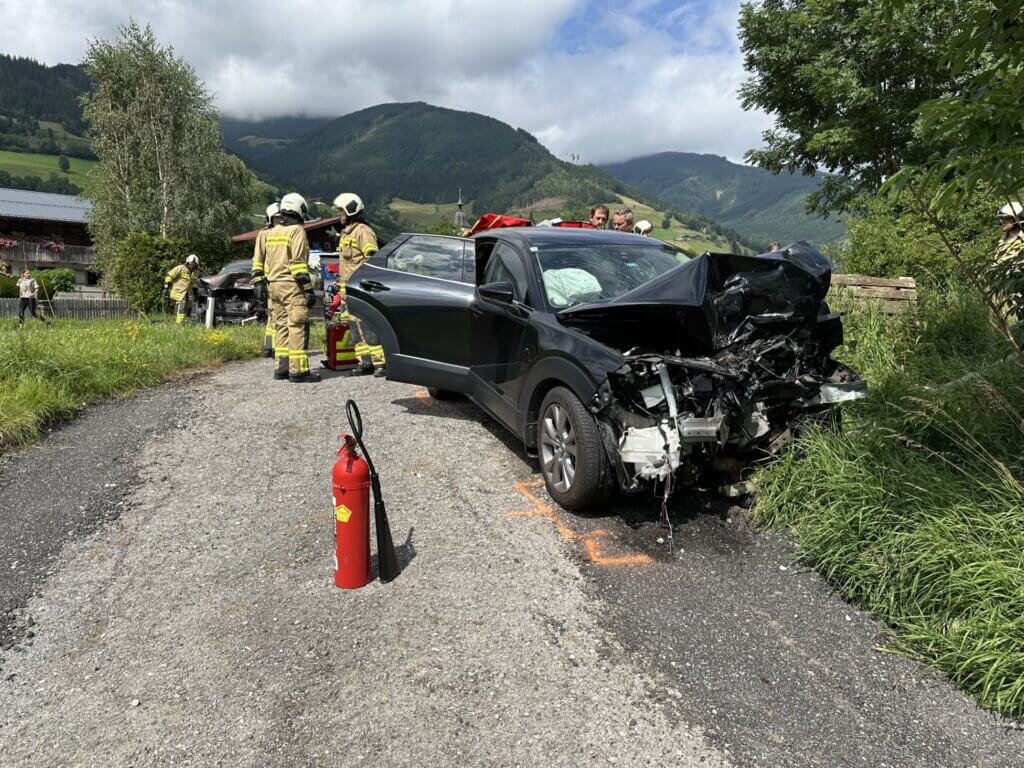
pixel 181 281
pixel 1009 254
pixel 358 243
pixel 272 218
pixel 280 266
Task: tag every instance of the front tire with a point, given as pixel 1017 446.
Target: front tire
pixel 572 458
pixel 442 394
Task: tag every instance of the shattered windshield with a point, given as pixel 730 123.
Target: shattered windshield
pixel 578 274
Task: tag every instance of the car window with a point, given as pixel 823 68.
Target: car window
pixel 505 266
pixel 582 273
pixel 236 266
pixel 439 257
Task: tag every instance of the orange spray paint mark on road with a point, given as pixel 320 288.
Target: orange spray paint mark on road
pixel 589 539
pixel 421 394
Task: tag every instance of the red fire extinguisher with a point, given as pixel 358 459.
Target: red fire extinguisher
pixel 351 480
pixel 350 490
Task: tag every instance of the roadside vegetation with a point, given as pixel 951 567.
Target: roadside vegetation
pixel 49 373
pixel 915 511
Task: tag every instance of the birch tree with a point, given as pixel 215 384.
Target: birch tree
pixel 163 168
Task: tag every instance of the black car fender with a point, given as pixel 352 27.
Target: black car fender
pixel 373 317
pixel 550 371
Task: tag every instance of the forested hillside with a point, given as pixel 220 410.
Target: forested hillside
pixel 754 202
pixel 425 153
pixel 31 89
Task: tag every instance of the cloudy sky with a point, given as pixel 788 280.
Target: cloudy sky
pixel 605 81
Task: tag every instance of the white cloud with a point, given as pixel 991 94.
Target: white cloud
pixel 629 88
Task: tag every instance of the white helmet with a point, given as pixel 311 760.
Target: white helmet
pixel 192 261
pixel 643 227
pixel 273 210
pixel 350 203
pixel 1013 211
pixel 295 204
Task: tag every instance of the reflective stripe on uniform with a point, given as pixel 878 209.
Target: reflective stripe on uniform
pixel 278 239
pixel 298 268
pixel 298 360
pixel 369 248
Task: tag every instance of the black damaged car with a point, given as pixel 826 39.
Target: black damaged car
pixel 618 361
pixel 232 291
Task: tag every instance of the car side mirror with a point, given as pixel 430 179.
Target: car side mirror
pixel 502 292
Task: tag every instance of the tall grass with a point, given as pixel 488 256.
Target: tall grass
pixel 916 510
pixel 47 373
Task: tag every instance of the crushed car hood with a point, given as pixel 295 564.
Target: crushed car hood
pixel 704 303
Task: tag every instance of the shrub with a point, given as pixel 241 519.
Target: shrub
pixel 885 241
pixel 57 280
pixel 137 265
pixel 50 282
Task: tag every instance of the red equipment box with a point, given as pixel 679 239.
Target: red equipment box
pixel 341 352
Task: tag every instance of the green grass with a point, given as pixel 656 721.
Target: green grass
pixel 48 373
pixel 28 164
pixel 422 215
pixel 916 510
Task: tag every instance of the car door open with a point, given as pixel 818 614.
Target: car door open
pixel 415 298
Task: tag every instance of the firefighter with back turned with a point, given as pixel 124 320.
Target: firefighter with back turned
pixel 280 266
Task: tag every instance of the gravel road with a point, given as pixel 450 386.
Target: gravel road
pixel 185 615
pixel 201 626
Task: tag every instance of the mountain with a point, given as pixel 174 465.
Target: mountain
pixel 425 153
pixel 249 138
pixel 752 201
pixel 31 89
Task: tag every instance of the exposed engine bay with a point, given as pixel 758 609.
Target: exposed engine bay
pixel 729 366
pixel 233 294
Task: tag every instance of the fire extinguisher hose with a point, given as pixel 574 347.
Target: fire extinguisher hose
pixel 387 560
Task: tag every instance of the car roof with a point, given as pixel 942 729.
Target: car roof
pixel 539 236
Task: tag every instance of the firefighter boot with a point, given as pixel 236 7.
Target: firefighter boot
pixel 305 377
pixel 365 368
pixel 281 369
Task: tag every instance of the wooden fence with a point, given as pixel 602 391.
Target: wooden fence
pixel 892 295
pixel 79 309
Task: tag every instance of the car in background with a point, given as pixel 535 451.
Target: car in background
pixel 618 361
pixel 232 291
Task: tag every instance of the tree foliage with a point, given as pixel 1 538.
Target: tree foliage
pixel 843 80
pixel 978 133
pixel 162 167
pixel 138 265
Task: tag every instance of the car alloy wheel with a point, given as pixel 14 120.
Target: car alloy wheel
pixel 558 448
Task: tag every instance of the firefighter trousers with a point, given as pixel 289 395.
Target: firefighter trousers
pixel 368 348
pixel 182 306
pixel 291 325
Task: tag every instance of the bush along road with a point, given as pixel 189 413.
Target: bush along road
pixel 190 617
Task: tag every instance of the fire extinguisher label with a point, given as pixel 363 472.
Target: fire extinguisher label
pixel 342 513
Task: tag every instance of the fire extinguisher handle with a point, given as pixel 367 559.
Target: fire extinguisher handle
pixel 355 421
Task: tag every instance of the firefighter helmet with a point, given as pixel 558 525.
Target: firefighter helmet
pixel 350 203
pixel 1013 211
pixel 295 204
pixel 273 210
pixel 191 261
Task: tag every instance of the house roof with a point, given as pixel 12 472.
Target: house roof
pixel 309 225
pixel 43 206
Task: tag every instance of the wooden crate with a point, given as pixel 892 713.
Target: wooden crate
pixel 893 295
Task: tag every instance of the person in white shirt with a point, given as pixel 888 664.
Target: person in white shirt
pixel 28 293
